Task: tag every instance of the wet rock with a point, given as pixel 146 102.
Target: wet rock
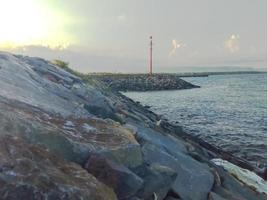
pixel 28 172
pixel 124 182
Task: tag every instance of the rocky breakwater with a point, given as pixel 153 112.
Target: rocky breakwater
pixel 63 138
pixel 143 82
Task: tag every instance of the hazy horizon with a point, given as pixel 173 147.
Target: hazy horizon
pixel 113 36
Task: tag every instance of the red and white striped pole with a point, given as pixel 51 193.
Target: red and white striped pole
pixel 151 57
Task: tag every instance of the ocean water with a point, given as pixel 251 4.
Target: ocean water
pixel 229 111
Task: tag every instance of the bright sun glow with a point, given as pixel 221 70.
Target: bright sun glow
pixel 31 22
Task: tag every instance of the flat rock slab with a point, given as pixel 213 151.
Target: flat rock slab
pixel 245 176
pixel 47 105
pixel 173 145
pixel 37 82
pixel 193 181
pixel 158 181
pixel 29 172
pixel 232 188
pixel 74 143
pixel 124 182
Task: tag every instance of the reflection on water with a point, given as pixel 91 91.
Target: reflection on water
pixel 229 111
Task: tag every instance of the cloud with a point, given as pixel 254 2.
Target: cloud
pixel 121 18
pixel 232 43
pixel 176 45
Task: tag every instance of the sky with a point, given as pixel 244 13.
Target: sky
pixel 113 36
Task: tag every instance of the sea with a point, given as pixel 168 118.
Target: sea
pixel 228 111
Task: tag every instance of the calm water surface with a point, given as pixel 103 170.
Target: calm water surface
pixel 229 111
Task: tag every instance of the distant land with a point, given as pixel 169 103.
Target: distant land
pixel 182 69
pixel 179 74
pixel 166 69
pixel 154 82
pixel 199 74
pixel 198 69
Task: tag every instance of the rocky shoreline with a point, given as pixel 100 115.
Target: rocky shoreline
pixel 63 137
pixel 143 82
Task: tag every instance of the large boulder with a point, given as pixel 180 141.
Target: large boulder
pixel 194 181
pixel 232 188
pixel 25 82
pixel 164 140
pixel 124 182
pixel 72 138
pixel 158 181
pixel 28 172
pixel 47 105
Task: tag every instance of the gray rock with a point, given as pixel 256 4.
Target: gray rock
pixel 214 196
pixel 39 100
pixel 36 82
pixel 143 82
pixel 75 144
pixel 168 142
pixel 48 106
pixel 124 182
pixel 132 128
pixel 193 181
pixel 231 188
pixel 28 172
pixel 158 181
pixel 171 198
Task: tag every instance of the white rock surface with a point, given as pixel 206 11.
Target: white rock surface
pixel 245 176
pixel 38 83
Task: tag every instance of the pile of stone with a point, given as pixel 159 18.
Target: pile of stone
pixel 143 82
pixel 61 138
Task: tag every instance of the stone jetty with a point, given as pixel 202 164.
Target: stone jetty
pixel 143 82
pixel 65 137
